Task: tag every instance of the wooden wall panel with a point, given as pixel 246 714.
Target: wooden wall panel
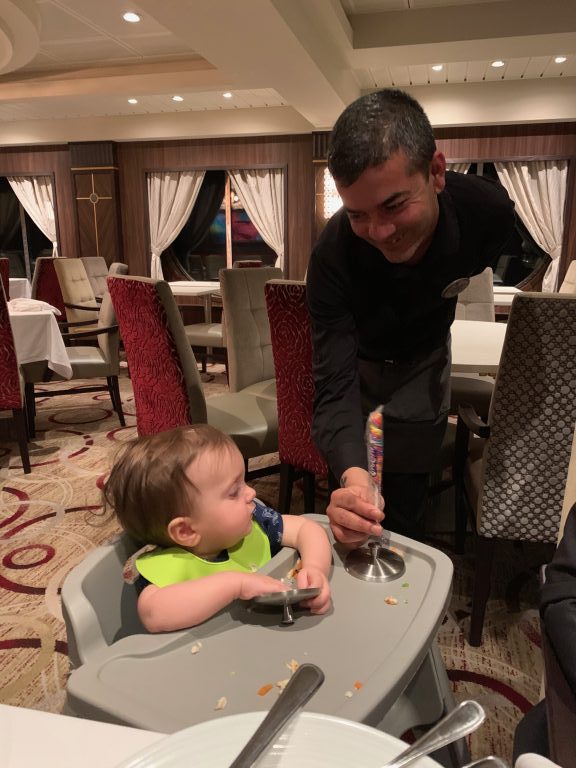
pixel 97 213
pixel 293 153
pixel 49 161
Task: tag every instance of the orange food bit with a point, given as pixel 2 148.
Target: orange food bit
pixel 265 689
pixel 358 685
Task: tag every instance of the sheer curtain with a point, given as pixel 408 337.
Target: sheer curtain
pixel 538 188
pixel 261 192
pixel 171 197
pixel 35 194
pixel 458 167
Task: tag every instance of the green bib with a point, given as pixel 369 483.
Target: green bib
pixel 171 566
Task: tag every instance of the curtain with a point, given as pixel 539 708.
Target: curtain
pixel 205 208
pixel 261 192
pixel 538 188
pixel 9 219
pixel 458 167
pixel 171 197
pixel 35 195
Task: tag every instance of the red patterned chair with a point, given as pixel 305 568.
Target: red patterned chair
pixel 45 285
pixel 292 351
pixel 5 276
pixel 165 378
pixel 11 386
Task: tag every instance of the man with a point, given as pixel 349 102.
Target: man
pixel 382 288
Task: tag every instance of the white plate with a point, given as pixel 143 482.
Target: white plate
pixel 310 741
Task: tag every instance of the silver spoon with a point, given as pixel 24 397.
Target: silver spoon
pixel 462 720
pixel 487 762
pixel 301 686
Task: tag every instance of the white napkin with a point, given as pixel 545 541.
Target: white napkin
pixel 31 305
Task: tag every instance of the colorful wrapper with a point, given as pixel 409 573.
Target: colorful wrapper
pixel 375 445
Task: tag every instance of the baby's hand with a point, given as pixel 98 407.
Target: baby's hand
pixel 309 578
pixel 254 584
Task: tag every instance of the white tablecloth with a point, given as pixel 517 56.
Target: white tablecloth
pixel 20 288
pixel 37 337
pixel 30 739
pixel 476 346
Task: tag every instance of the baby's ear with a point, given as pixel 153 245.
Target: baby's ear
pixel 182 532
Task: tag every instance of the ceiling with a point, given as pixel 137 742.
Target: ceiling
pixel 68 67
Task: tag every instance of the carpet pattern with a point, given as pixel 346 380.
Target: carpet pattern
pixel 50 519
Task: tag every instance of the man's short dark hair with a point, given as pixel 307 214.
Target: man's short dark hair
pixel 373 128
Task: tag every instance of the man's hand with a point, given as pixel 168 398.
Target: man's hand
pixel 309 578
pixel 353 515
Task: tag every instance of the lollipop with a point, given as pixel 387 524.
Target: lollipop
pixel 375 446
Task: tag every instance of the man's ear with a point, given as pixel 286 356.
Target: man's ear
pixel 438 171
pixel 183 533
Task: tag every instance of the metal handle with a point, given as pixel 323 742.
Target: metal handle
pixel 462 720
pixel 301 686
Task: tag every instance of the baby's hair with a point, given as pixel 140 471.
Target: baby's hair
pixel 148 486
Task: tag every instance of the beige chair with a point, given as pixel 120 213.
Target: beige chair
pixel 476 302
pixel 250 358
pixel 97 271
pixel 88 362
pixel 79 299
pixel 569 282
pixel 165 379
pixel 514 483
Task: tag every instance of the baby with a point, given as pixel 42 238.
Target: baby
pixel 183 492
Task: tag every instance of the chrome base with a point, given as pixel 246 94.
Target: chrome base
pixel 375 563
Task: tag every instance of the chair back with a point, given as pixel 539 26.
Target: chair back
pixel 97 271
pixel 76 289
pixel 532 417
pixel 569 282
pixel 5 276
pixel 109 343
pixel 117 268
pixel 248 341
pixel 45 284
pixel 476 302
pixel 292 351
pixel 165 379
pixel 10 392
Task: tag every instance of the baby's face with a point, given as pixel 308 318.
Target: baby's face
pixel 224 504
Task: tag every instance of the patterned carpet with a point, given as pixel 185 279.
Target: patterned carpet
pixel 49 521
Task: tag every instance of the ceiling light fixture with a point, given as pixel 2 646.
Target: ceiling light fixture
pixel 560 59
pixel 131 17
pixel 227 95
pixel 437 67
pixel 132 101
pixel 177 98
pixel 497 63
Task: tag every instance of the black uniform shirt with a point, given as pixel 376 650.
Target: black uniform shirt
pixel 362 306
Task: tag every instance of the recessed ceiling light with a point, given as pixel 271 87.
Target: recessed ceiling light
pixel 560 59
pixel 132 101
pixel 497 63
pixel 131 17
pixel 177 98
pixel 227 95
pixel 437 67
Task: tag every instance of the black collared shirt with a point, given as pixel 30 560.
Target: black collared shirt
pixel 362 306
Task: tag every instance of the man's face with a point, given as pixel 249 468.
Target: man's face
pixel 393 210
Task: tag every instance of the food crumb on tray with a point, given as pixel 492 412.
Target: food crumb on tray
pixel 293 665
pixel 221 703
pixel 196 648
pixel 281 684
pixel 265 689
pixel 391 601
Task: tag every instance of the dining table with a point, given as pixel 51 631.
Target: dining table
pixel 37 337
pixel 205 289
pixel 20 288
pixel 477 346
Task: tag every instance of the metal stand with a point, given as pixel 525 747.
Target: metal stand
pixel 375 563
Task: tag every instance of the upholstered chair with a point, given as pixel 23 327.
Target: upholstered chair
pixel 512 480
pixel 569 282
pixel 88 362
pixel 97 271
pixel 165 378
pixel 79 299
pixel 476 302
pixel 45 285
pixel 5 275
pixel 11 385
pixel 292 351
pixel 250 359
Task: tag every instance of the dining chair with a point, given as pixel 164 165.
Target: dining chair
pixel 79 299
pixel 11 385
pixel 250 359
pixel 476 302
pixel 5 275
pixel 511 471
pixel 88 362
pixel 569 282
pixel 45 285
pixel 165 378
pixel 292 352
pixel 97 272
